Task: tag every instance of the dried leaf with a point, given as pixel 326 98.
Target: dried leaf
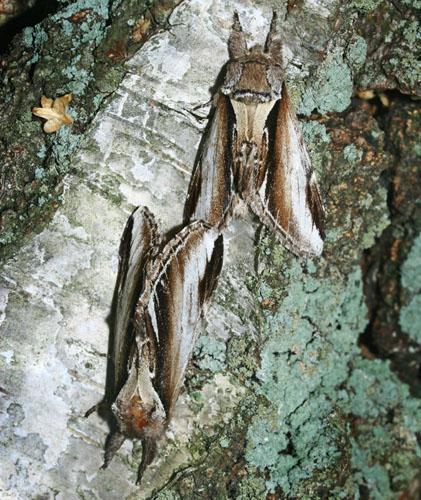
pixel 366 94
pixel 54 112
pixel 140 30
pixel 78 16
pixel 7 7
pixel 117 53
pixel 291 4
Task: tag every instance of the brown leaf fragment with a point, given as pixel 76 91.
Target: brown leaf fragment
pixel 54 112
pixel 290 5
pixel 268 303
pixel 78 16
pixel 117 53
pixel 366 94
pixel 7 7
pixel 140 30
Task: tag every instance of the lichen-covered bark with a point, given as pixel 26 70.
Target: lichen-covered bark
pixel 80 49
pixel 298 387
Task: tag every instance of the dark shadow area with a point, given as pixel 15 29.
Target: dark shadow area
pixel 398 117
pixel 27 18
pixel 103 407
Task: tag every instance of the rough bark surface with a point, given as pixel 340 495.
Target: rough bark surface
pixel 80 48
pixel 304 382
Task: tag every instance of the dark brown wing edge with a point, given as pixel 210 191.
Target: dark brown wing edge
pixel 210 192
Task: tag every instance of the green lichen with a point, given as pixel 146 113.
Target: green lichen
pixel 252 488
pixel 330 90
pixel 410 30
pixel 410 313
pixel 376 201
pixel 240 357
pixel 64 144
pixel 313 377
pixel 392 35
pixel 100 7
pixel 67 27
pixel 415 3
pixel 224 443
pixel 209 353
pixel 28 36
pixel 34 37
pixel 411 268
pixel 385 452
pixel 79 79
pixel 166 495
pixel 314 133
pixel 316 139
pixel 352 154
pixel 356 52
pixel 365 5
pixel 409 67
pixel 39 173
pixel 97 100
pixel 299 374
pixel 42 152
pixel 94 32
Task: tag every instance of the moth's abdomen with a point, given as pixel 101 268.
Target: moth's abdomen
pixel 133 415
pixel 136 418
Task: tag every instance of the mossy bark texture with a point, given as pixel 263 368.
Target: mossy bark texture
pixel 305 380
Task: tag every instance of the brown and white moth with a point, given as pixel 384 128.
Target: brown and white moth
pixel 163 291
pixel 254 150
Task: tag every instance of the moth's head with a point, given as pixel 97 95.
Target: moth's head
pixel 254 75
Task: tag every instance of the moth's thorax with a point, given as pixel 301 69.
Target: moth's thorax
pixel 254 78
pixel 251 120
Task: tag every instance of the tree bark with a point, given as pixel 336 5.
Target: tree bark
pixel 305 381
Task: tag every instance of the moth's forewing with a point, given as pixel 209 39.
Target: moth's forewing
pixel 286 196
pixel 181 300
pixel 179 293
pixel 139 238
pixel 210 192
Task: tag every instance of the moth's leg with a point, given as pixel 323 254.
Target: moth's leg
pixel 148 454
pixel 113 445
pixel 201 112
pixel 94 409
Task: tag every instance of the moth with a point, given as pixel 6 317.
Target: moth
pixel 163 291
pixel 254 150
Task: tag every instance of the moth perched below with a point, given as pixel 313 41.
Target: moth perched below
pixel 163 292
pixel 254 150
